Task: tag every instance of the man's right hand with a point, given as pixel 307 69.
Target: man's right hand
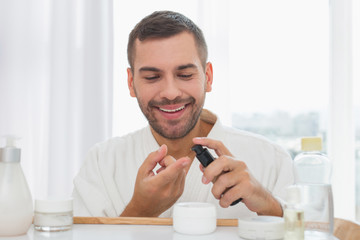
pixel 155 193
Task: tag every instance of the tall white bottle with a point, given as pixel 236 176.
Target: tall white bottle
pixel 313 176
pixel 16 205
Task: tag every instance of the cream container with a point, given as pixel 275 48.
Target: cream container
pixel 194 218
pixel 261 227
pixel 53 215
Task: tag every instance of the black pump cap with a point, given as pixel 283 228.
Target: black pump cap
pixel 198 149
pixel 203 155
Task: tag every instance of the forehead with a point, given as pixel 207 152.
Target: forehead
pixel 167 52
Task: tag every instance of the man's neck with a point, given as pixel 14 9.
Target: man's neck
pixel 182 147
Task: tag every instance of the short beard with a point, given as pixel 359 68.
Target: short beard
pixel 172 133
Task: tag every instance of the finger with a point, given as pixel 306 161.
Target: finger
pixel 201 167
pixel 218 146
pixel 153 158
pixel 180 183
pixel 219 166
pixel 230 195
pixel 160 169
pixel 172 171
pixel 223 183
pixel 166 161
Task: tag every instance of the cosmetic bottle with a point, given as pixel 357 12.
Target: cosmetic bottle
pixel 293 215
pixel 312 175
pixel 16 205
pixel 53 215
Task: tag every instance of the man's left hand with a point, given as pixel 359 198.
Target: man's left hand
pixel 233 180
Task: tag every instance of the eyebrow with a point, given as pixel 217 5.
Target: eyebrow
pixel 151 69
pixel 190 65
pixel 154 69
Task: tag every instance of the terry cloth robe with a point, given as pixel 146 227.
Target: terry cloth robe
pixel 105 183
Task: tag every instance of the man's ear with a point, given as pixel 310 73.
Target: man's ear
pixel 209 77
pixel 131 82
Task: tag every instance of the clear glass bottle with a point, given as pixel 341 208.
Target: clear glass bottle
pixel 311 165
pixel 293 215
pixel 313 176
pixel 16 205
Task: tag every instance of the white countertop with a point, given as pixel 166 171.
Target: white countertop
pixel 124 232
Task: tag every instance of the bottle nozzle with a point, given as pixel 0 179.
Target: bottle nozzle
pixel 10 140
pixel 198 149
pixel 10 153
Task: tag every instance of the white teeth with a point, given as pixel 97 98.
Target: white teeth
pixel 172 110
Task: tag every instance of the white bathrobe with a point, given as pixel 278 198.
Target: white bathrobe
pixel 105 183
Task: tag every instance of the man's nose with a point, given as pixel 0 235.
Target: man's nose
pixel 170 89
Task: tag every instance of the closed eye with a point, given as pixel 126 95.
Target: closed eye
pixel 185 75
pixel 152 77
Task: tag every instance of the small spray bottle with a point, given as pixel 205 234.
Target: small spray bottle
pixel 16 205
pixel 205 157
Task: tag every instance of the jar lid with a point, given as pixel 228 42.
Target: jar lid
pixel 53 206
pixel 261 227
pixel 194 210
pixel 194 218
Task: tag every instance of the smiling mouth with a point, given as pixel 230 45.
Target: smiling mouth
pixel 172 110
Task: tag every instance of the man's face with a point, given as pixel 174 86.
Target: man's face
pixel 170 83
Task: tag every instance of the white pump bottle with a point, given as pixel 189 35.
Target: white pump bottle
pixel 16 205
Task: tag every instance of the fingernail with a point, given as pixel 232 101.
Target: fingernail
pixel 161 147
pixel 204 180
pixel 186 162
pixel 199 138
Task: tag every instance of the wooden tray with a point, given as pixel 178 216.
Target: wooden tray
pixel 141 221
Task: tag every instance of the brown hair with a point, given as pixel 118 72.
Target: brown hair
pixel 163 24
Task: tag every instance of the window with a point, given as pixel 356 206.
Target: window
pixel 279 69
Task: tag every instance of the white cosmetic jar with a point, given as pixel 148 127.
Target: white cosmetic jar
pixel 194 218
pixel 53 215
pixel 261 227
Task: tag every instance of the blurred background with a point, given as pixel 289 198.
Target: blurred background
pixel 282 68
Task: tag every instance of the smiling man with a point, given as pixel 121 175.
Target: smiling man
pixel 144 173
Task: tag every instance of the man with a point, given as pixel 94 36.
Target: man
pixel 144 173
